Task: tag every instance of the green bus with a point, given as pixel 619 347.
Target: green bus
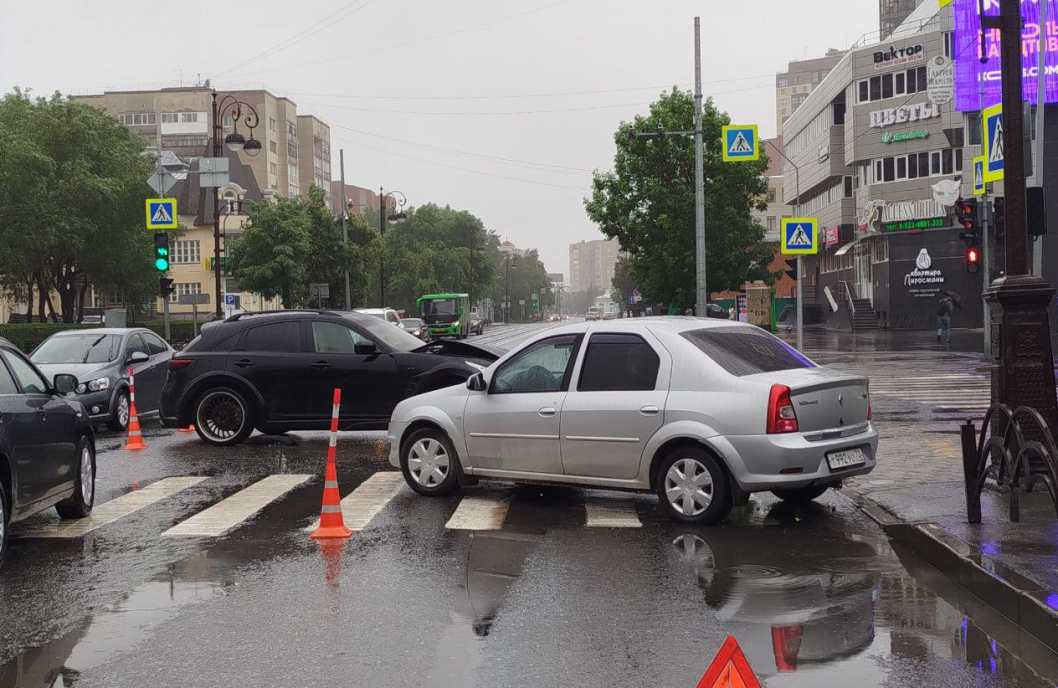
pixel 445 315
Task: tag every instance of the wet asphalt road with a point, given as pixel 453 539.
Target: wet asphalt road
pixel 816 596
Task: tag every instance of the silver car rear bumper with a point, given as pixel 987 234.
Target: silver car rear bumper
pixel 765 462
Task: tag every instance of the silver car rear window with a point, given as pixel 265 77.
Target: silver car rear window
pixel 744 351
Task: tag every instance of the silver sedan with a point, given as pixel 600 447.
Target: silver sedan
pixel 703 412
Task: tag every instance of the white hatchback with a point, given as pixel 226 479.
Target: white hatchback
pixel 704 412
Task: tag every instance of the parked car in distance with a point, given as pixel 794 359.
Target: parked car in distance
pixel 715 310
pixel 594 313
pixel 388 314
pixel 47 447
pixel 702 412
pixel 100 357
pixel 276 371
pixel 415 328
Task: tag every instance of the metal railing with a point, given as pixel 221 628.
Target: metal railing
pixel 1024 449
pixel 848 300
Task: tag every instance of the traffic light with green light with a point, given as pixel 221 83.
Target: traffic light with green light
pixel 161 251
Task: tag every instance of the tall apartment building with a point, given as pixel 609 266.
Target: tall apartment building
pixel 592 264
pixel 179 120
pixel 800 78
pixel 314 154
pixel 892 13
pixel 357 198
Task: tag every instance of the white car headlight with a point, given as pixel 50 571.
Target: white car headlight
pixel 94 386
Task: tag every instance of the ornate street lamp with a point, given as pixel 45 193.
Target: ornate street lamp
pixel 399 201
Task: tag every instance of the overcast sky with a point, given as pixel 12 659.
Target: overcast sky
pixel 461 83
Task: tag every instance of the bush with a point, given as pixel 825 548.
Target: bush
pixel 26 336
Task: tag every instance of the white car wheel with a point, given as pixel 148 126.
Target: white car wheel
pixel 429 463
pixel 693 487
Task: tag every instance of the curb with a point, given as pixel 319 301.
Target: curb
pixel 1021 600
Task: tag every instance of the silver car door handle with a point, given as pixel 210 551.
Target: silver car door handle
pixel 650 410
pixel 547 412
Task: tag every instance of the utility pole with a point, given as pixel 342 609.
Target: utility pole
pixel 218 150
pixel 1023 371
pixel 701 291
pixel 345 228
pixel 382 261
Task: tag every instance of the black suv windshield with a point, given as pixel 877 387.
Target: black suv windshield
pixel 747 351
pixel 77 348
pixel 392 337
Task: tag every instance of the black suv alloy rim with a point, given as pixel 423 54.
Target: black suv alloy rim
pixel 223 415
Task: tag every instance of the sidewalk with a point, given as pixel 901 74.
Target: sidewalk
pixel 916 494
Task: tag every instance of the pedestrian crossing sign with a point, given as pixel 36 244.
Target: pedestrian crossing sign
pixel 979 175
pixel 741 143
pixel 799 235
pixel 992 122
pixel 161 213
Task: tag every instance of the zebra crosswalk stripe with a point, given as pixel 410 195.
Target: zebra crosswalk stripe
pixel 610 514
pixel 479 513
pixel 230 512
pixel 111 511
pixel 370 497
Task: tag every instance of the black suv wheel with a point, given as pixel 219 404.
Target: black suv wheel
pixel 223 417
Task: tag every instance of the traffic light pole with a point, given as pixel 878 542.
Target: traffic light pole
pixel 702 288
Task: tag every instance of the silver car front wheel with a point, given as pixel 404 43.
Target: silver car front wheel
pixel 429 462
pixel 692 487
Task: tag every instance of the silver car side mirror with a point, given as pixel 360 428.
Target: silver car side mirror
pixel 476 383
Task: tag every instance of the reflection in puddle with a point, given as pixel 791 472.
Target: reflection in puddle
pixel 115 628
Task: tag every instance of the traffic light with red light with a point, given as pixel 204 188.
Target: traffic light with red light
pixel 966 215
pixel 973 260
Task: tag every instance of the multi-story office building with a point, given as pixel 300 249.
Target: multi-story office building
pixel 892 13
pixel 357 198
pixel 800 78
pixel 884 155
pixel 314 154
pixel 592 264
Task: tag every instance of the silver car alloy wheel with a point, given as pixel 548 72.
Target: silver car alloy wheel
pixel 428 462
pixel 88 478
pixel 689 487
pixel 123 410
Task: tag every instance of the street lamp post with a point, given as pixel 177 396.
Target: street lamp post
pixel 1023 368
pixel 235 142
pixel 399 201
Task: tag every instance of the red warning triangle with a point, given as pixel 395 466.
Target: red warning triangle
pixel 729 669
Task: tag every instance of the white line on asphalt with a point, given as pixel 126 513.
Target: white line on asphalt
pixel 479 513
pixel 111 511
pixel 610 514
pixel 230 512
pixel 363 504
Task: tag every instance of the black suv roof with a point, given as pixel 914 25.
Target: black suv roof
pixel 217 328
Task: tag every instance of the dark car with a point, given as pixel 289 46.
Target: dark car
pixel 47 448
pixel 715 310
pixel 277 370
pixel 100 359
pixel 477 325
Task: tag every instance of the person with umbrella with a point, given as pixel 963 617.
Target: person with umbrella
pixel 948 302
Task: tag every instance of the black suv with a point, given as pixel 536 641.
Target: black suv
pixel 277 370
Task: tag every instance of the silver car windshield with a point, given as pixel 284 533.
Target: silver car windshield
pixel 746 351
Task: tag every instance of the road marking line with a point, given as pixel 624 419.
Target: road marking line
pixel 111 511
pixel 479 513
pixel 605 514
pixel 230 512
pixel 363 504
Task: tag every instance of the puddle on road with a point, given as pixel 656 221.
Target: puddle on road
pixel 116 628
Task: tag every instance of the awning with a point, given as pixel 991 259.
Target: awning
pixel 845 249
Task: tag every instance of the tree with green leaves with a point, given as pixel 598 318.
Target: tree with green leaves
pixel 330 256
pixel 72 188
pixel 647 203
pixel 274 253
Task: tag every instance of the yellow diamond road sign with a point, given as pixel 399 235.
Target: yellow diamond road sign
pixel 161 213
pixel 799 235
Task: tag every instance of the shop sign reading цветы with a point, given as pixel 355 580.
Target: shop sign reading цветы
pixel 904 114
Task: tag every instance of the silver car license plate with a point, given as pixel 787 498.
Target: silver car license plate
pixel 847 458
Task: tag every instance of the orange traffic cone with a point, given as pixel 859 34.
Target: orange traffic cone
pixel 135 437
pixel 331 524
pixel 189 428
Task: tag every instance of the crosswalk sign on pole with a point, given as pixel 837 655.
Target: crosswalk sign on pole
pixel 992 123
pixel 979 175
pixel 740 143
pixel 799 235
pixel 161 213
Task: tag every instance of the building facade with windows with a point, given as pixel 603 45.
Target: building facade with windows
pixel 801 77
pixel 883 159
pixel 893 13
pixel 314 155
pixel 592 265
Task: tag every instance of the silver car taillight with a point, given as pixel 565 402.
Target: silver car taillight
pixel 781 416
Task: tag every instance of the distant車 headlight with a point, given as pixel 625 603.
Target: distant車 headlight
pixel 93 386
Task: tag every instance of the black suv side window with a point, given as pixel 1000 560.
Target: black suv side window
pixel 618 363
pixel 277 336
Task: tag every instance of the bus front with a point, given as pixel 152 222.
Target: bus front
pixel 441 315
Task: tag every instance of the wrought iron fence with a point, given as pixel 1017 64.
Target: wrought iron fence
pixel 1013 445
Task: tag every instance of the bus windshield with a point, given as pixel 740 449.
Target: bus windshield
pixel 435 311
